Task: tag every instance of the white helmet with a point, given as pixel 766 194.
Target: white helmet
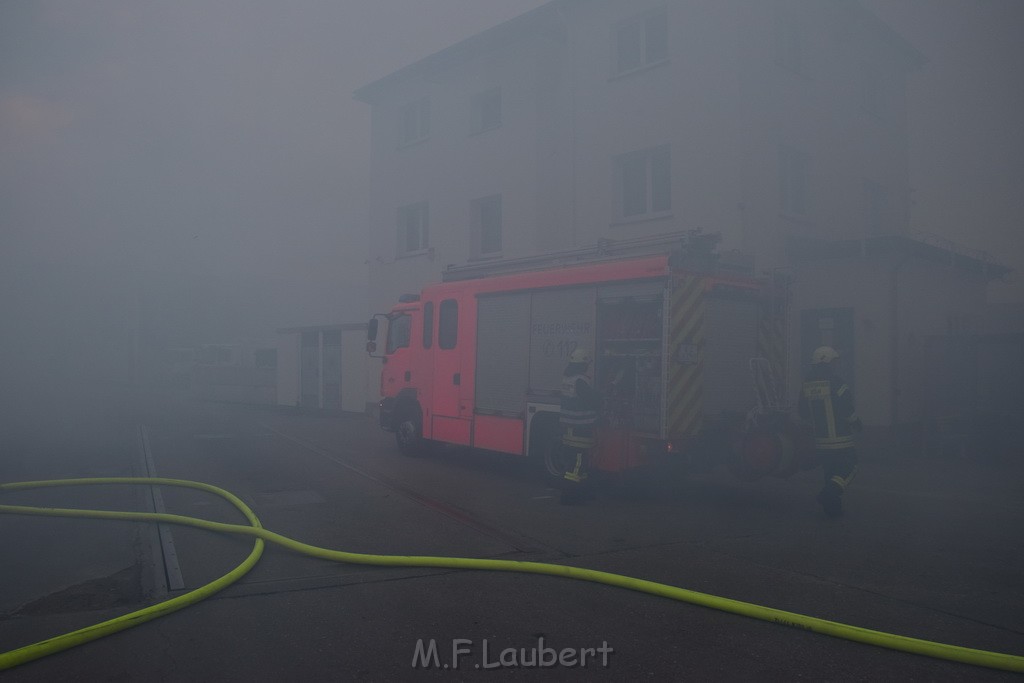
pixel 580 356
pixel 824 354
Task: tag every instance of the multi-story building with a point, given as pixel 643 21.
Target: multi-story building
pixel 779 124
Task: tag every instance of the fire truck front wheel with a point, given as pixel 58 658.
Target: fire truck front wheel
pixel 409 432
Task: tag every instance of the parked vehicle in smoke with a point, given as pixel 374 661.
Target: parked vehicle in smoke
pixel 688 353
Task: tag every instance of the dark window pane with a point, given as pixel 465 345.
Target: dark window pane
pixel 428 324
pixel 412 228
pixel 490 225
pixel 448 324
pixel 398 332
pixel 634 184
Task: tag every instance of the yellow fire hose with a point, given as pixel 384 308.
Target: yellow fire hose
pixel 28 653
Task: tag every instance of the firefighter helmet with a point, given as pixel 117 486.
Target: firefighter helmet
pixel 580 356
pixel 824 354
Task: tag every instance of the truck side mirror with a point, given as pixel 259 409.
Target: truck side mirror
pixel 371 331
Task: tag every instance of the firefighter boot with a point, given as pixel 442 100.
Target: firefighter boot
pixel 574 484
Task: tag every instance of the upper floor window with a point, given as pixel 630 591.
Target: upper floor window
pixel 413 228
pixel 644 182
pixel 415 121
pixel 487 110
pixel 640 41
pixel 793 173
pixel 487 225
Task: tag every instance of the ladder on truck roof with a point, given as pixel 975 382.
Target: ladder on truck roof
pixel 689 243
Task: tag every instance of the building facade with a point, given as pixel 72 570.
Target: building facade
pixel 781 125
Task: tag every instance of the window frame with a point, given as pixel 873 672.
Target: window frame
pixel 478 207
pixel 643 22
pixel 420 212
pixel 653 183
pixel 414 122
pixel 480 107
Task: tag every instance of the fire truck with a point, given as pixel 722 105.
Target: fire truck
pixel 688 353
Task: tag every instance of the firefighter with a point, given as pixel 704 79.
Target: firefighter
pixel 826 402
pixel 579 412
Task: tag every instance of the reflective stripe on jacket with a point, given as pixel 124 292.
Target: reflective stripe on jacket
pixel 828 404
pixel 579 402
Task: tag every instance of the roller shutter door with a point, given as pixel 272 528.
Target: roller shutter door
pixel 503 348
pixel 730 342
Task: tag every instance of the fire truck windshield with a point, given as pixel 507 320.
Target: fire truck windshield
pixel 399 328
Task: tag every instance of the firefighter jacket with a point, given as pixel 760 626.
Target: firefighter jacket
pixel 827 403
pixel 580 402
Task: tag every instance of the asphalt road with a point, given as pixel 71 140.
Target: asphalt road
pixel 928 548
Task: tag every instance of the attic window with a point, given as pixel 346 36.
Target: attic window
pixel 487 110
pixel 415 121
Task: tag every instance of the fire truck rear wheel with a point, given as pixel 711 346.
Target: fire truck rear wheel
pixel 555 458
pixel 546 452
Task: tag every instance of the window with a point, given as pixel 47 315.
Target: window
pixel 415 121
pixel 641 41
pixel 428 324
pixel 792 180
pixel 644 180
pixel 413 228
pixel 448 324
pixel 876 201
pixel 487 225
pixel 399 328
pixel 487 110
pixel 790 45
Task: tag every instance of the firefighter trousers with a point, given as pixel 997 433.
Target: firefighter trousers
pixel 839 466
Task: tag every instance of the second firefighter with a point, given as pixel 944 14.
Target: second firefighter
pixel 580 406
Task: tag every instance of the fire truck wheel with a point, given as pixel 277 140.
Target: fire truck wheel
pixel 556 458
pixel 409 434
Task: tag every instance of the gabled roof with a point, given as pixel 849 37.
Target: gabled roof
pixel 496 36
pixel 549 15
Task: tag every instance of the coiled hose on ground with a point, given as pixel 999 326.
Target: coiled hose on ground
pixel 43 648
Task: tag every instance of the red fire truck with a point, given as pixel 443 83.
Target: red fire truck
pixel 688 354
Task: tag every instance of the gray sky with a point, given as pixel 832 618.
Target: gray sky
pixel 194 137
